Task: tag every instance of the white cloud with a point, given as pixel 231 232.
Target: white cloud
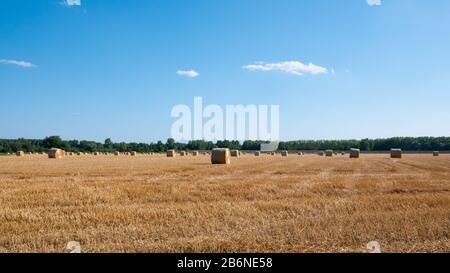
pixel 291 67
pixel 72 2
pixel 18 63
pixel 188 73
pixel 374 2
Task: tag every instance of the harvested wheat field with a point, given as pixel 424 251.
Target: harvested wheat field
pixel 186 204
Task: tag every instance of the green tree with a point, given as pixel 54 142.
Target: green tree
pixel 53 142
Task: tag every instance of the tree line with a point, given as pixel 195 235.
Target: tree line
pixel 404 143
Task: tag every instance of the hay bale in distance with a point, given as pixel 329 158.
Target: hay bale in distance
pixel 396 153
pixel 116 153
pixel 20 153
pixel 436 153
pixel 133 153
pixel 195 153
pixel 56 153
pixel 170 153
pixel 321 153
pixel 182 153
pixel 220 156
pixel 329 153
pixel 234 153
pixel 354 153
pixel 284 153
pixel 257 153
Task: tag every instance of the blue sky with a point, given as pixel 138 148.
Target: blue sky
pixel 94 69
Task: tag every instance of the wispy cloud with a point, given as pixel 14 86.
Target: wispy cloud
pixel 374 2
pixel 71 3
pixel 18 63
pixel 291 67
pixel 188 73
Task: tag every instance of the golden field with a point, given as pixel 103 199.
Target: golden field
pixel 257 204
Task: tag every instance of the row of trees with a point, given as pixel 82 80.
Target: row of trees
pixel 405 143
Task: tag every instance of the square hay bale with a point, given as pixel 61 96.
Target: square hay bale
pixel 116 153
pixel 329 153
pixel 183 153
pixel 195 153
pixel 20 153
pixel 220 156
pixel 299 153
pixel 284 153
pixel 56 153
pixel 354 153
pixel 170 153
pixel 234 153
pixel 257 153
pixel 272 153
pixel 436 153
pixel 133 153
pixel 321 153
pixel 396 153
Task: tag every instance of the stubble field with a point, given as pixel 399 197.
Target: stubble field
pixel 257 204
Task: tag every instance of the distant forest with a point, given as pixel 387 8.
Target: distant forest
pixel 405 143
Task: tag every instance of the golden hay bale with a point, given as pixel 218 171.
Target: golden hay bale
pixel 272 153
pixel 20 153
pixel 396 153
pixel 299 153
pixel 195 153
pixel 329 153
pixel 56 153
pixel 182 153
pixel 436 153
pixel 234 153
pixel 116 153
pixel 284 153
pixel 354 153
pixel 342 153
pixel 220 156
pixel 170 153
pixel 321 153
pixel 257 153
pixel 133 153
